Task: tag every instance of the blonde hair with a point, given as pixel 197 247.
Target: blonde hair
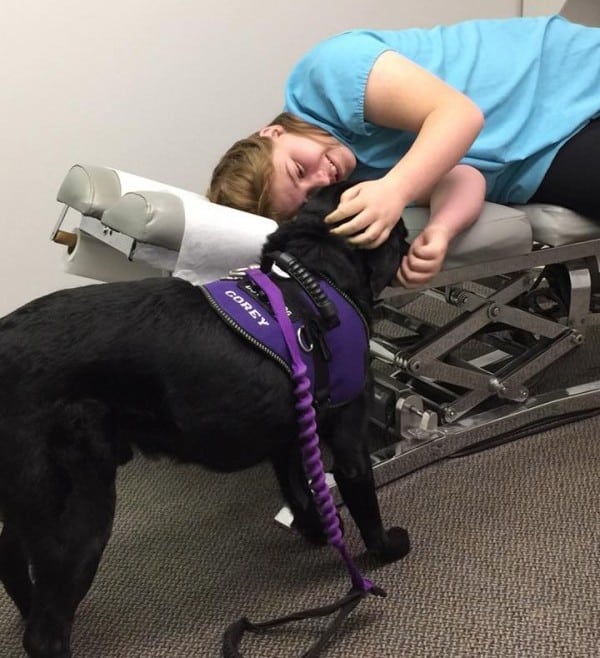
pixel 242 178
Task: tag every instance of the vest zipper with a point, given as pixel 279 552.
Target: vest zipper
pixel 249 337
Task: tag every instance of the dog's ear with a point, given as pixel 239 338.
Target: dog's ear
pixel 384 261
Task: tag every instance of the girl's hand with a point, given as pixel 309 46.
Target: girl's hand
pixel 425 256
pixel 375 207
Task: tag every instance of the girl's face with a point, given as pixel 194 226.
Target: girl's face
pixel 303 164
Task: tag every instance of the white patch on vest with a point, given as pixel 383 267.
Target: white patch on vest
pixel 253 312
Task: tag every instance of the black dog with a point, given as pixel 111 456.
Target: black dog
pixel 88 372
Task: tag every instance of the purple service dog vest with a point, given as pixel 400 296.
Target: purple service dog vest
pixel 237 303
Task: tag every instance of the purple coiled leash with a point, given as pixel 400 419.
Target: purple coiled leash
pixel 313 468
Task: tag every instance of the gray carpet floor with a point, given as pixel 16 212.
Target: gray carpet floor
pixel 504 562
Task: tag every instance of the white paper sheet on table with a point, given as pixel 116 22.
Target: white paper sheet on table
pixel 218 239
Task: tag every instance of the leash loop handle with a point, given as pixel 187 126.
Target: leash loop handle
pixel 309 284
pixel 234 634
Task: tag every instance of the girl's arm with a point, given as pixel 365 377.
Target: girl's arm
pixel 402 95
pixel 455 202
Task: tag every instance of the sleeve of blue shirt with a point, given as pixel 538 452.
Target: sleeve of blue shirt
pixel 327 86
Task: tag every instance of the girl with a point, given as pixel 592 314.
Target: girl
pixel 420 116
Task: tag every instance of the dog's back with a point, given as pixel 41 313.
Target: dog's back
pixel 153 352
pixel 60 342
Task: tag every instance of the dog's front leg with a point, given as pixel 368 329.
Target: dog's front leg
pixel 354 477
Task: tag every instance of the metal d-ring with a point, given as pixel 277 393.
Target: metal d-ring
pixel 306 345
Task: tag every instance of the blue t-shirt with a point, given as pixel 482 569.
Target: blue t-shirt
pixel 537 81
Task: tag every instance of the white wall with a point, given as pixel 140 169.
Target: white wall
pixel 156 87
pixel 578 11
pixel 542 7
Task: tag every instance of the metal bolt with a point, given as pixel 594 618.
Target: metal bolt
pixel 522 394
pixel 577 338
pixel 414 410
pixel 457 297
pixel 494 384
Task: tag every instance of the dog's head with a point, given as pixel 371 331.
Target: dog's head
pixel 363 273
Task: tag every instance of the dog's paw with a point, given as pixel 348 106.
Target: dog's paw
pixel 37 647
pixel 394 547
